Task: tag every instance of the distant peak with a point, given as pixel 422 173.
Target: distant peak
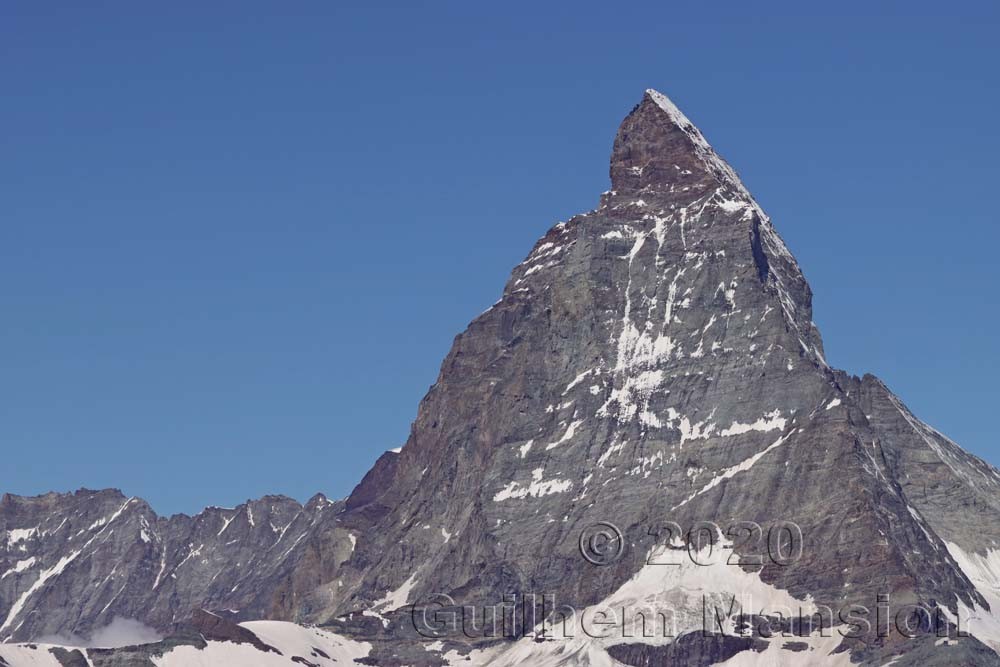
pixel 657 147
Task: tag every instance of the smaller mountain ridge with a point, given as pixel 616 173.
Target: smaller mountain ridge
pixel 75 562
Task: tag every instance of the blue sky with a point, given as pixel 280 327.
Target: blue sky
pixel 237 239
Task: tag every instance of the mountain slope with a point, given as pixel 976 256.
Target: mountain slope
pixel 652 364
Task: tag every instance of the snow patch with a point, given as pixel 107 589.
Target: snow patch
pixel 19 567
pixel 983 570
pixel 743 466
pixel 18 535
pixel 525 448
pixel 536 489
pixel 578 379
pixel 396 598
pixel 570 432
pixel 769 422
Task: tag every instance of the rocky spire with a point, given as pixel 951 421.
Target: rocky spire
pixel 657 148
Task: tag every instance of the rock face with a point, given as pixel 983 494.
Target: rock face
pixel 651 384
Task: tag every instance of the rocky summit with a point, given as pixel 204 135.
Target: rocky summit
pixel 638 456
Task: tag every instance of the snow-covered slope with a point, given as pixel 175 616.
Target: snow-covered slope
pixel 312 645
pixel 287 645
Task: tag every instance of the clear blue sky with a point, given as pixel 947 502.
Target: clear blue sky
pixel 237 239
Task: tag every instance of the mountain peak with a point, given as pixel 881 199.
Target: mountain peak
pixel 667 105
pixel 659 148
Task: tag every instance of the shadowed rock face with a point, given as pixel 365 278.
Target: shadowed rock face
pixel 651 361
pixel 691 650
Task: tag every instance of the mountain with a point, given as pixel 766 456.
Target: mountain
pixel 644 428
